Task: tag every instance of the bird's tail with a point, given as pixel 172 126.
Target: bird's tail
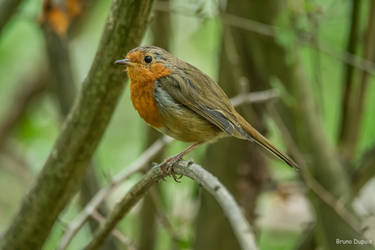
pixel 264 143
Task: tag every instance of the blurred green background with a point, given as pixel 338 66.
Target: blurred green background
pixel 196 40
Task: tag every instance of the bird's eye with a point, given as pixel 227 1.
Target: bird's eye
pixel 148 59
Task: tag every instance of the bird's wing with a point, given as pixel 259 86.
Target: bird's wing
pixel 198 92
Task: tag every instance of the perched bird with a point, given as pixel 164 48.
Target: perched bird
pixel 181 101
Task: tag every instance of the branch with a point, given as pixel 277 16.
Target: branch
pixel 349 69
pixel 82 131
pixel 274 31
pixel 239 224
pixel 255 97
pixel 164 218
pixel 121 237
pixel 7 9
pixel 20 102
pixel 137 166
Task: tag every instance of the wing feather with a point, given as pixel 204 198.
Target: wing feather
pixel 198 92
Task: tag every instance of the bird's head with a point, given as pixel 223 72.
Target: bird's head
pixel 147 63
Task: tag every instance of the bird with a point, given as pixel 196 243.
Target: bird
pixel 181 101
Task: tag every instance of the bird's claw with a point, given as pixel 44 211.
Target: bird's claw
pixel 168 167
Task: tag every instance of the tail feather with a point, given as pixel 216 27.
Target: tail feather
pixel 264 143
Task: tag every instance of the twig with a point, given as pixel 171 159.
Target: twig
pixel 21 101
pixel 273 31
pixel 120 236
pixel 255 97
pixel 65 168
pixel 239 224
pixel 19 167
pixel 310 181
pixel 164 219
pixel 138 165
pixel 349 71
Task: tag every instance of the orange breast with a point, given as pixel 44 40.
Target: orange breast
pixel 142 83
pixel 142 96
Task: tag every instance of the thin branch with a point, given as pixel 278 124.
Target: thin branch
pixel 7 9
pixel 255 97
pixel 82 130
pixel 349 69
pixel 20 102
pixel 139 165
pixel 120 236
pixel 17 165
pixel 274 31
pixel 239 224
pixel 320 191
pixel 164 218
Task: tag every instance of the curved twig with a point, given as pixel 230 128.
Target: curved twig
pixel 137 166
pixel 209 182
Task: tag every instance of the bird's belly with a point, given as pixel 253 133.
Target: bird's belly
pixel 182 123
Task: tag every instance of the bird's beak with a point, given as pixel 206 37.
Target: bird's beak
pixel 125 61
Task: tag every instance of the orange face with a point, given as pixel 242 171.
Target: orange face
pixel 142 66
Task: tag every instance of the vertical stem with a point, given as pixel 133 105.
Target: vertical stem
pixel 64 87
pixel 348 91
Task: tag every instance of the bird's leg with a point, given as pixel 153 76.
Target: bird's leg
pixel 167 164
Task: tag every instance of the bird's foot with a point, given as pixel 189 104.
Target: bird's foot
pixel 167 166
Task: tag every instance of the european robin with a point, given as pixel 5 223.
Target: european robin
pixel 181 101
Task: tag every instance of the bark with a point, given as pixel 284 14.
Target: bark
pixel 239 164
pixel 64 87
pixel 66 166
